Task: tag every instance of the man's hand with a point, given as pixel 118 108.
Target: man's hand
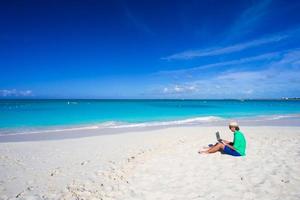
pixel 222 142
pixel 225 141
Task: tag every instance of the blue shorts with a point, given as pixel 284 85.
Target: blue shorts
pixel 230 151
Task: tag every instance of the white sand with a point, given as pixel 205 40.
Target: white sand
pixel 160 164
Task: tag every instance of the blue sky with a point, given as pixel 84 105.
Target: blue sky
pixel 149 49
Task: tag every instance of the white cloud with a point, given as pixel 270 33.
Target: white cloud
pixel 138 23
pixel 285 36
pixel 182 88
pixel 224 50
pixel 15 93
pixel 267 56
pixel 272 79
pixel 249 18
pixel 250 91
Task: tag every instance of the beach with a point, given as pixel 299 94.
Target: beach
pixel 161 163
pixel 150 100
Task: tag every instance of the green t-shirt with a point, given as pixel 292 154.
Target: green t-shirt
pixel 239 142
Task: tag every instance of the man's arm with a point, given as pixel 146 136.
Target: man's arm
pixel 225 141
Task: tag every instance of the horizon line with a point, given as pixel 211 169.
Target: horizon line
pixel 182 99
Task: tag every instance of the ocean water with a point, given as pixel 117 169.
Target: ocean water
pixel 28 114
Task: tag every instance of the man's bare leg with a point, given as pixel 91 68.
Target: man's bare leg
pixel 216 148
pixel 213 149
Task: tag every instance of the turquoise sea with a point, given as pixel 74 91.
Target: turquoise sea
pixel 25 114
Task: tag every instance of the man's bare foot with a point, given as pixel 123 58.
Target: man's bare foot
pixel 202 152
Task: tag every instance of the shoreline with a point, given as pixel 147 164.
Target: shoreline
pixel 90 130
pixel 291 120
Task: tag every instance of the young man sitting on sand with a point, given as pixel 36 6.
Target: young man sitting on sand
pixel 235 148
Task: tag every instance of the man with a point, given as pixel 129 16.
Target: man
pixel 235 148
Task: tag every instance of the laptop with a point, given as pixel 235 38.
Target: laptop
pixel 218 137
